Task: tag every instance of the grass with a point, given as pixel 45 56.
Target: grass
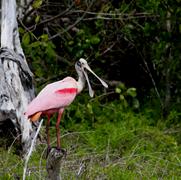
pixel 104 142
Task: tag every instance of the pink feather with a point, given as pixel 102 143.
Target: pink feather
pixel 53 97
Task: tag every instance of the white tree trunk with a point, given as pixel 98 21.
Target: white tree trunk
pixel 16 87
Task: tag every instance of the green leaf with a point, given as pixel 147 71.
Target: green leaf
pixel 122 86
pixel 79 53
pixel 37 19
pixel 95 40
pixel 97 54
pixel 136 103
pixel 79 44
pixel 37 4
pixel 26 39
pixel 89 107
pixel 118 90
pixel 70 43
pixel 99 23
pixel 21 30
pixel 121 97
pixel 131 92
pixel 87 41
pixel 35 44
pixel 44 37
pixel 125 103
pixel 80 32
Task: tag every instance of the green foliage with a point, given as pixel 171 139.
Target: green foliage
pixel 127 96
pixel 173 119
pixel 41 55
pixel 83 42
pixel 116 36
pixel 116 144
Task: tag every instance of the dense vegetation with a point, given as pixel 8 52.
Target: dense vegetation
pixel 130 131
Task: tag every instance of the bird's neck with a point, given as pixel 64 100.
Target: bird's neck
pixel 81 82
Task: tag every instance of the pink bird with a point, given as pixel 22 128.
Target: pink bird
pixel 55 97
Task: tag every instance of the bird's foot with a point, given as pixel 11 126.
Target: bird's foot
pixel 55 150
pixel 63 151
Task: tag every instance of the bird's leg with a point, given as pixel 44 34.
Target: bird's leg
pixel 58 128
pixel 47 131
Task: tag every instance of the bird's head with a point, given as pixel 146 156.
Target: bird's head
pixel 81 67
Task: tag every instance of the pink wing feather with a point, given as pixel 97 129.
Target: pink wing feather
pixel 54 96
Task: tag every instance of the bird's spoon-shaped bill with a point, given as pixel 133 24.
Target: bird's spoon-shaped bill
pixel 102 82
pixel 91 92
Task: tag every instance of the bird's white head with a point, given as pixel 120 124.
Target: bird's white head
pixel 80 66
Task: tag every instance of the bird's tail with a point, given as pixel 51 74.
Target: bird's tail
pixel 35 117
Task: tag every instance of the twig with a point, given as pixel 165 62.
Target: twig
pixel 110 14
pixel 102 95
pixel 9 149
pixel 73 25
pixel 31 149
pixel 119 18
pixel 52 18
pixel 27 29
pixel 153 82
pixel 108 49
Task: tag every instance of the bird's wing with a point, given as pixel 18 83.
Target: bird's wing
pixel 54 96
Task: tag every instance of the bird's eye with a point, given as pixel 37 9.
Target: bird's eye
pixel 79 63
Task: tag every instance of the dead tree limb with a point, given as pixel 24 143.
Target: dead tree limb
pixel 53 163
pixel 16 80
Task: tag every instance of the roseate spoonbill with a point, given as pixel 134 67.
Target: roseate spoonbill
pixel 55 97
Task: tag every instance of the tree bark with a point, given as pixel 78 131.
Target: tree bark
pixel 53 163
pixel 16 79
